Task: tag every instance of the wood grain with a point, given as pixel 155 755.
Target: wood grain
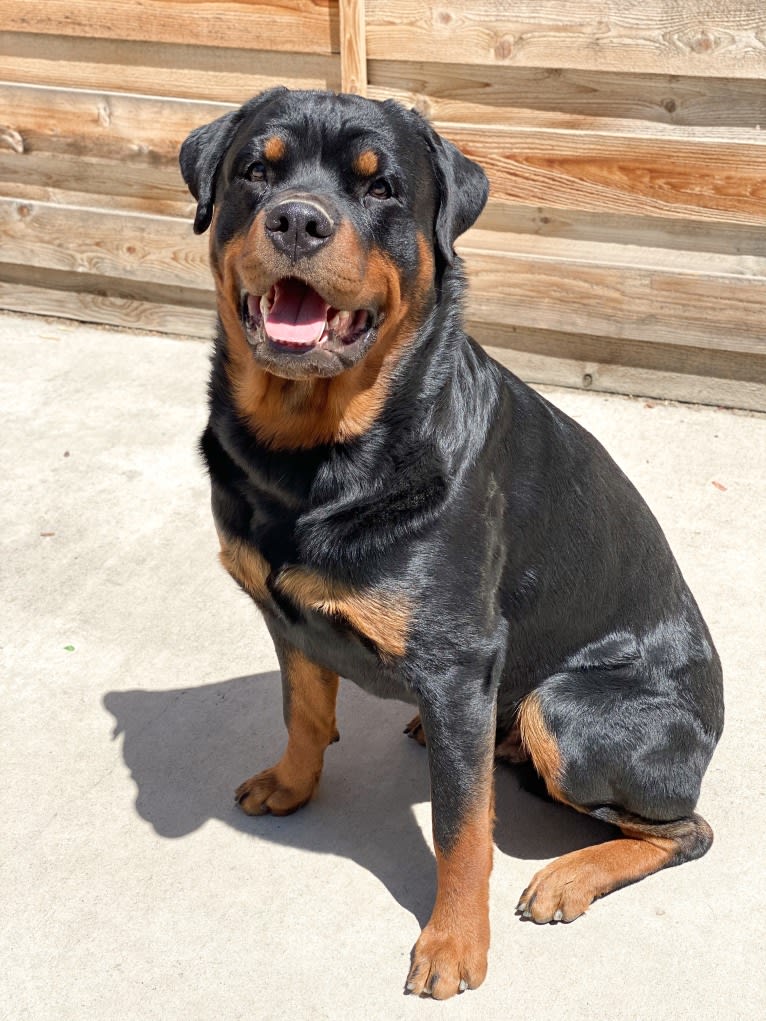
pixel 83 147
pixel 636 355
pixel 85 181
pixel 353 48
pixel 691 173
pixel 99 242
pixel 159 69
pixel 110 310
pixel 109 125
pixel 646 381
pixel 566 98
pixel 303 26
pixel 142 305
pixel 658 295
pixel 679 233
pixel 695 37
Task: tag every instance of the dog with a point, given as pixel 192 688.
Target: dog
pixel 408 514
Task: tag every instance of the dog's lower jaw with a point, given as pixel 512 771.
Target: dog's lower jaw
pixel 345 340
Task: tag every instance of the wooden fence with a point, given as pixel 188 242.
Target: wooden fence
pixel 624 245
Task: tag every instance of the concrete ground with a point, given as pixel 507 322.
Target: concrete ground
pixel 140 687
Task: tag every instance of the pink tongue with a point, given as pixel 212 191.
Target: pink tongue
pixel 298 315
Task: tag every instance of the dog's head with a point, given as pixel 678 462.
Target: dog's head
pixel 332 217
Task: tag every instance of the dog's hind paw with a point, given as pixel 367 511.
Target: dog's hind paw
pixel 414 729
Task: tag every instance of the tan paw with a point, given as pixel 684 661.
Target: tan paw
pixel 445 963
pixel 560 892
pixel 275 791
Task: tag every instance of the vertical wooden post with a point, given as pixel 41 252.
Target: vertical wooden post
pixel 353 47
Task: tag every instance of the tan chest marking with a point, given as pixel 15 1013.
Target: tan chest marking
pixel 381 617
pixel 246 566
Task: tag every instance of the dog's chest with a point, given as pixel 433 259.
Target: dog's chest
pixel 360 633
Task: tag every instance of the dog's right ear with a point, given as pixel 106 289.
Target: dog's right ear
pixel 203 151
pixel 200 159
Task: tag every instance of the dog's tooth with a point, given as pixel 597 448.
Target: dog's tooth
pixel 339 322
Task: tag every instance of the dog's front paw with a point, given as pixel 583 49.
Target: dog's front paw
pixel 444 962
pixel 275 790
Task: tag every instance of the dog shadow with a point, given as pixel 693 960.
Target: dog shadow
pixel 187 750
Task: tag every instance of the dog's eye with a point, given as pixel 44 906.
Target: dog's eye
pixel 256 171
pixel 380 189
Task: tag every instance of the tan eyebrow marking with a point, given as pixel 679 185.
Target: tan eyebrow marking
pixel 274 149
pixel 366 164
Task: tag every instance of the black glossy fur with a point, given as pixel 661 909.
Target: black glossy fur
pixel 528 560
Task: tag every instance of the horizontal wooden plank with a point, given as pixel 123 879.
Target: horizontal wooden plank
pixel 127 313
pixel 692 174
pixel 109 145
pixel 130 304
pixel 103 243
pixel 566 98
pixel 303 26
pixel 692 38
pixel 159 69
pixel 614 228
pixel 624 379
pixel 689 298
pixel 587 349
pixel 125 128
pixel 617 254
pixel 79 181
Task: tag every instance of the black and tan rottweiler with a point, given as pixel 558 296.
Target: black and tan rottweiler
pixel 408 514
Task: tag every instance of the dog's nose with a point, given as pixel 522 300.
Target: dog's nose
pixel 298 227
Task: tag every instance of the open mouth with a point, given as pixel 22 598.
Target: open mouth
pixel 293 317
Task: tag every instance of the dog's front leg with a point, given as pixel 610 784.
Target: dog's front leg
pixel 451 953
pixel 309 693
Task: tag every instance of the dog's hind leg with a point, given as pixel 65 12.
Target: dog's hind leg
pixel 565 888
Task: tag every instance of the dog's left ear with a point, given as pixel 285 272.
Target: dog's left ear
pixel 203 151
pixel 462 188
